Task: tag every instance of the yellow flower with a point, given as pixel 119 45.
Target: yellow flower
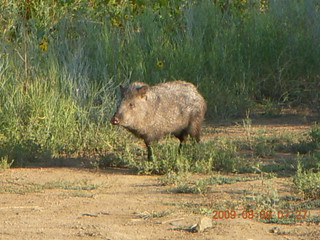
pixel 263 5
pixel 159 64
pixel 43 45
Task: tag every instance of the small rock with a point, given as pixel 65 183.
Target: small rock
pixel 204 224
pixel 275 230
pixel 104 213
pixel 89 214
pixel 193 228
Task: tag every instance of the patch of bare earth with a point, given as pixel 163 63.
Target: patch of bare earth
pixel 75 203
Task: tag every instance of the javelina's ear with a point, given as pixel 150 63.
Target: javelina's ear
pixel 122 90
pixel 142 91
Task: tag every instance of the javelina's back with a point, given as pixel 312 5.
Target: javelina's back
pixel 180 107
pixel 151 112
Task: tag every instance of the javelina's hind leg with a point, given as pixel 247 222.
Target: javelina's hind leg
pixel 183 136
pixel 194 129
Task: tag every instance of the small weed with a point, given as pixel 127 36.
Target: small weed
pixel 300 209
pixel 315 136
pixel 186 188
pixel 275 219
pixel 302 147
pixel 227 180
pixel 74 185
pixel 309 145
pixel 208 208
pixel 153 214
pixel 270 108
pixel 247 125
pixel 4 163
pixel 23 188
pixel 203 185
pixel 251 165
pixel 266 199
pixel 226 159
pixel 108 160
pixel 310 161
pixel 291 217
pixel 307 183
pixel 263 149
pixel 309 204
pixel 17 188
pixel 173 178
pixel 81 194
pixel 277 168
pixel 204 157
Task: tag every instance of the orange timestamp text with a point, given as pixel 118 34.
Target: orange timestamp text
pixel 263 214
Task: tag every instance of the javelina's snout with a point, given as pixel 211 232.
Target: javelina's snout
pixel 114 120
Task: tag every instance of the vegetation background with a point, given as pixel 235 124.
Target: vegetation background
pixel 61 62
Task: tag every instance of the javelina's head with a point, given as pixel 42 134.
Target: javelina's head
pixel 133 105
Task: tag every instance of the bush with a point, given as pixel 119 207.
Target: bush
pixel 308 183
pixel 61 61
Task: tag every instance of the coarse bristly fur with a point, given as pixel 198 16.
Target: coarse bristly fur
pixel 150 112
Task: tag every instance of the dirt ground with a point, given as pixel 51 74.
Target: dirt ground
pixel 81 203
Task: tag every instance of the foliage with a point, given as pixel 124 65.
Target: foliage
pixel 4 164
pixel 308 183
pixel 61 62
pixel 307 177
pixel 204 157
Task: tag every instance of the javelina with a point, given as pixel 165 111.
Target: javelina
pixel 150 112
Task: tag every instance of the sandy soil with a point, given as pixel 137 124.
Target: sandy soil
pixel 79 203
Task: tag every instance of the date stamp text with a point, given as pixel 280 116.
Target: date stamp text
pixel 263 214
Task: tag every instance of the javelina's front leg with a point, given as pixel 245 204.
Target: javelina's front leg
pixel 150 154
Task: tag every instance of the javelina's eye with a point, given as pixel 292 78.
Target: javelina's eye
pixel 131 105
